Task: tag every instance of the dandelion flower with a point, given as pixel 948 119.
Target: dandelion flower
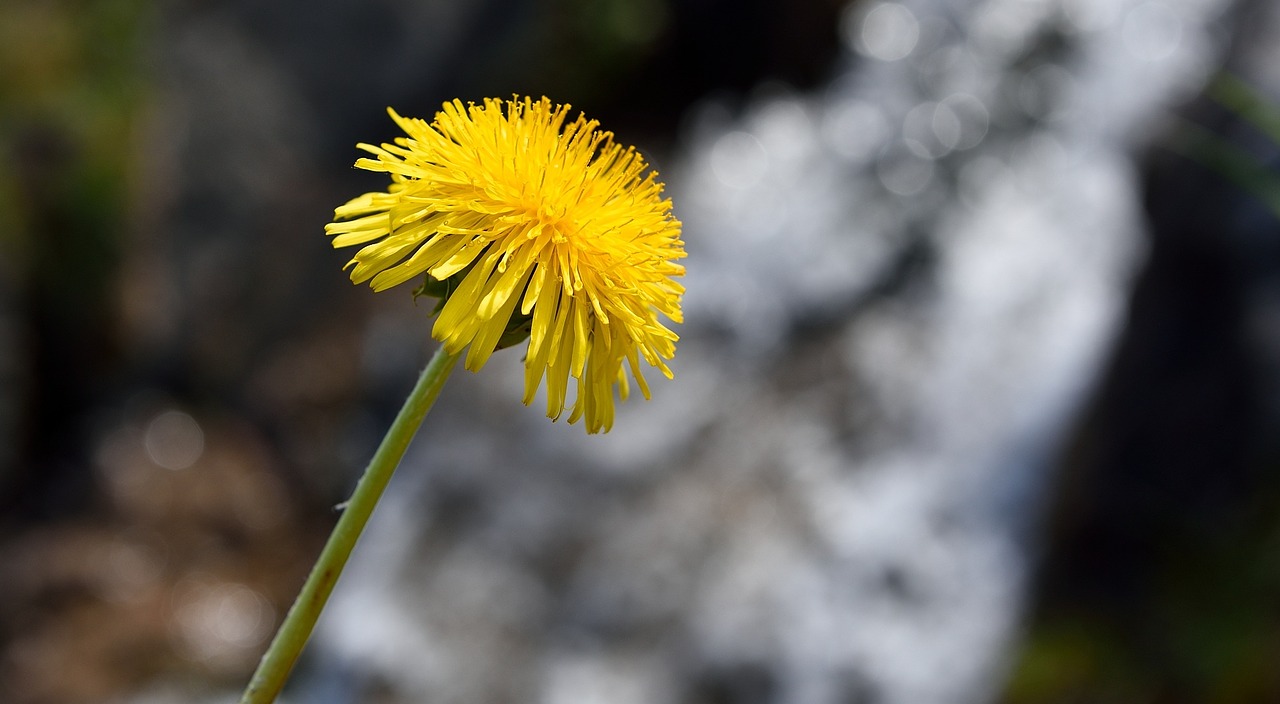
pixel 526 220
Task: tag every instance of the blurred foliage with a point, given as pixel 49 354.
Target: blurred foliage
pixel 1237 164
pixel 70 83
pixel 640 64
pixel 1180 603
pixel 607 37
pixel 1208 629
pixel 72 80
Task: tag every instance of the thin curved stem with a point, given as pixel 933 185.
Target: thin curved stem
pixel 301 619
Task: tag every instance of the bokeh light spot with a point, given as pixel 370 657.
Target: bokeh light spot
pixel 888 32
pixel 174 440
pixel 1152 31
pixel 972 120
pixel 855 129
pixel 739 160
pixel 904 171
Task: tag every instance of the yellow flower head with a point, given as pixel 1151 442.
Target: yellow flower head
pixel 519 208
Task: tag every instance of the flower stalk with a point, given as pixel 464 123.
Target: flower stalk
pixel 289 641
pixel 527 225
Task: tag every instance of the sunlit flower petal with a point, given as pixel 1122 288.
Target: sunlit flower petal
pixel 546 222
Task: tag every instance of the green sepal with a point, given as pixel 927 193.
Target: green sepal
pixel 518 327
pixel 440 289
pixel 517 331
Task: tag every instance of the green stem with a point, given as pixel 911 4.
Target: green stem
pixel 301 619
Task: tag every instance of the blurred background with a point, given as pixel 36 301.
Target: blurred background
pixel 977 400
